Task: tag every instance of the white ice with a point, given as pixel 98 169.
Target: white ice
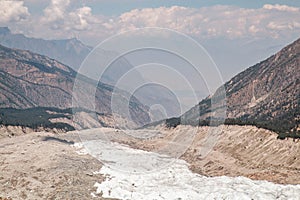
pixel 173 181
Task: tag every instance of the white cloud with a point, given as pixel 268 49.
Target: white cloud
pixel 63 19
pixel 277 26
pixel 59 16
pixel 13 11
pixel 215 21
pixel 81 19
pixel 253 29
pixel 281 8
pixel 56 10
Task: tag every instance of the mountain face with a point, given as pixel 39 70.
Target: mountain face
pixel 147 94
pixel 266 94
pixel 29 80
pixel 70 51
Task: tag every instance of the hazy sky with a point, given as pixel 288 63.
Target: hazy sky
pixel 117 7
pixel 236 33
pixel 228 29
pixel 94 20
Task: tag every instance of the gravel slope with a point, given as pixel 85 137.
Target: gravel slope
pixel 44 166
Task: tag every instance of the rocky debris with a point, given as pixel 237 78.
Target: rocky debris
pixel 46 166
pixel 34 167
pixel 30 80
pixel 266 95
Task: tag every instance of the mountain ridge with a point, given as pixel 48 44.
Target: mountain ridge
pixel 73 52
pixel 265 95
pixel 62 50
pixel 30 80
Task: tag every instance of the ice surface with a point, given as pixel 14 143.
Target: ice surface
pixel 126 159
pixel 175 181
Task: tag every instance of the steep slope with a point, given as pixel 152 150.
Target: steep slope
pixel 266 94
pixel 69 51
pixel 147 94
pixel 30 80
pixel 72 52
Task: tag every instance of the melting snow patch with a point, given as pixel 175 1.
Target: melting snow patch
pixel 80 149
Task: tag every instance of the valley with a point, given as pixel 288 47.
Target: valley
pixel 56 170
pixel 159 100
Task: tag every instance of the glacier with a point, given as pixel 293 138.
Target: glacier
pixel 132 174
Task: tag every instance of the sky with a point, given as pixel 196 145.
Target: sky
pixel 94 20
pixel 229 30
pixel 236 33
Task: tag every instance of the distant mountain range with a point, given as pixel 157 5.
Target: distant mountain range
pixel 72 52
pixel 29 80
pixel 266 95
pixel 69 51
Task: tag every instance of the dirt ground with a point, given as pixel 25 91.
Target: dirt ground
pixel 45 166
pixel 251 152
